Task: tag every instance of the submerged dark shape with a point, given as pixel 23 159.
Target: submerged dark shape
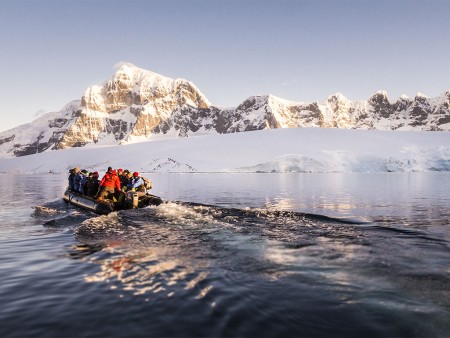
pixel 106 206
pixel 266 214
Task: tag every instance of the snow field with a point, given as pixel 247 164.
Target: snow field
pixel 277 150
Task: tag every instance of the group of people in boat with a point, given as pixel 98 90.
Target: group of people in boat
pixel 115 184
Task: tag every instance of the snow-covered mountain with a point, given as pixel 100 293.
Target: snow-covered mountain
pixel 138 105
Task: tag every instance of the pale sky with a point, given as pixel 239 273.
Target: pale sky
pixel 303 51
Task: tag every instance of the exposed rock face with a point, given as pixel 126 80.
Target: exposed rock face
pixel 341 111
pixel 136 105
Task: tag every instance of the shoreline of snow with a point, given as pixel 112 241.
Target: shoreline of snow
pixel 311 150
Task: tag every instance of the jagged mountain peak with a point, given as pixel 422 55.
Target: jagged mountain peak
pixel 421 98
pixel 131 86
pixel 278 100
pixel 337 97
pixel 445 96
pixel 421 95
pixel 381 92
pixel 253 100
pixel 270 101
pixel 402 103
pixel 129 68
pixel 380 95
pixel 137 105
pixel 403 98
pixel 131 75
pixel 125 65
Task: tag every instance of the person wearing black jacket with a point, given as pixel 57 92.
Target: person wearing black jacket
pixel 92 184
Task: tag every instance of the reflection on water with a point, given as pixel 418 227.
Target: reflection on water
pixel 81 250
pixel 281 203
pixel 147 271
pixel 136 256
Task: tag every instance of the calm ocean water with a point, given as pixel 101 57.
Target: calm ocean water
pixel 231 255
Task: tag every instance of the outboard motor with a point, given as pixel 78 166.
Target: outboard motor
pixel 135 200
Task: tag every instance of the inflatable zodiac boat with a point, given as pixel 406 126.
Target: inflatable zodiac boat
pixel 106 206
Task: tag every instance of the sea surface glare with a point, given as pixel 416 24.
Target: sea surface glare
pixel 230 255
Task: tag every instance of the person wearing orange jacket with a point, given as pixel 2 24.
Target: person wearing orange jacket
pixel 108 184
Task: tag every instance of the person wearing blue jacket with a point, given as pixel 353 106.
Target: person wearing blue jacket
pixel 72 174
pixel 76 181
pixel 79 181
pixel 83 181
pixel 137 184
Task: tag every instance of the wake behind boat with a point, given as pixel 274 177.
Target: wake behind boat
pixel 106 206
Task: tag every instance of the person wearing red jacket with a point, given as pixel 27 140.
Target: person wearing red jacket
pixel 108 184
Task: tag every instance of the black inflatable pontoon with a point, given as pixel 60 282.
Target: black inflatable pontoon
pixel 107 206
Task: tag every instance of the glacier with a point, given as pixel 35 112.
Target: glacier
pixel 306 150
